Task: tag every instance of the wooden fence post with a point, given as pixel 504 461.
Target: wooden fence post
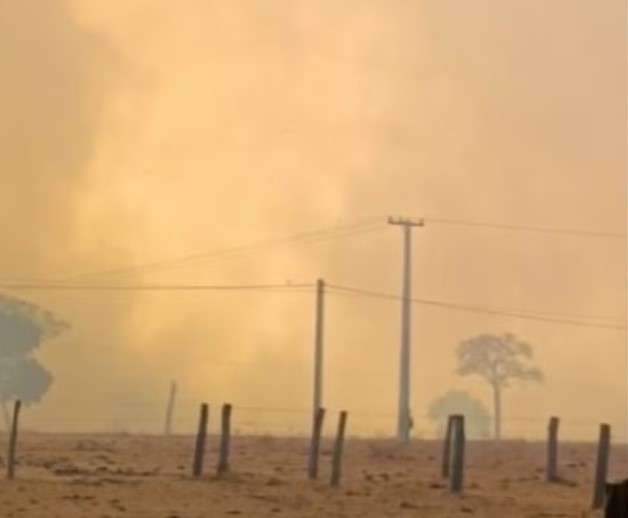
pixel 446 461
pixel 601 469
pixel 225 440
pixel 170 408
pixel 336 467
pixel 199 450
pixel 552 450
pixel 317 427
pixel 616 500
pixel 13 441
pixel 457 476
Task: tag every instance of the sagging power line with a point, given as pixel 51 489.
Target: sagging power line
pixel 527 228
pixel 151 287
pixel 538 316
pixel 581 320
pixel 306 238
pixel 310 237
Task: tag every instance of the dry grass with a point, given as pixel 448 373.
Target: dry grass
pixel 70 476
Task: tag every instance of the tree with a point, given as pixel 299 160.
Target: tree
pixel 23 326
pixel 499 360
pixel 478 419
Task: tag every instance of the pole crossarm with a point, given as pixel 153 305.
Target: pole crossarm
pixel 407 222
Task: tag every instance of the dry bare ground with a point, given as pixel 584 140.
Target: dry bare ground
pixel 71 476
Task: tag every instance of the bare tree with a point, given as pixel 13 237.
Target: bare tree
pixel 499 360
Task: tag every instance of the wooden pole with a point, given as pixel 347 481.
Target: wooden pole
pixel 199 450
pixel 552 450
pixel 336 467
pixel 319 328
pixel 225 440
pixel 7 419
pixel 497 405
pixel 317 428
pixel 617 500
pixel 601 469
pixel 13 441
pixel 170 408
pixel 457 476
pixel 446 461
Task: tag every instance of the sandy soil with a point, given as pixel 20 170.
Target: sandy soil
pixel 71 476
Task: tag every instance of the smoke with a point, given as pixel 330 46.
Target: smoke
pixel 147 131
pixel 58 83
pixel 53 94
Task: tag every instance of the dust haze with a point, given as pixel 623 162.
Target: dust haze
pixel 143 132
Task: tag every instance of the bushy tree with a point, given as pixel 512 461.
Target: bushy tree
pixel 23 327
pixel 478 419
pixel 498 360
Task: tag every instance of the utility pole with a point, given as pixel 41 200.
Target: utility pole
pixel 170 407
pixel 404 422
pixel 318 347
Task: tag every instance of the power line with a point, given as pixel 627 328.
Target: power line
pixel 525 312
pixel 477 309
pixel 307 288
pixel 527 228
pixel 314 237
pixel 310 237
pixel 152 287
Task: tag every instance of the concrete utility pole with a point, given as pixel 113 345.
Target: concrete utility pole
pixel 404 422
pixel 318 347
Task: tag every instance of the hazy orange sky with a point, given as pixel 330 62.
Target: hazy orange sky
pixel 144 131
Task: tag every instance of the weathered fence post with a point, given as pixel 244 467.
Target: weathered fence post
pixel 225 439
pixel 552 450
pixel 457 463
pixel 616 500
pixel 446 461
pixel 601 469
pixel 336 467
pixel 317 427
pixel 13 441
pixel 170 408
pixel 199 450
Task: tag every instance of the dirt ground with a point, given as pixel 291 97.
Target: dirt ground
pixel 71 476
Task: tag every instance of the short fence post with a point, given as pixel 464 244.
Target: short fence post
pixel 601 469
pixel 552 450
pixel 457 476
pixel 170 408
pixel 225 439
pixel 446 461
pixel 617 500
pixel 13 441
pixel 317 427
pixel 336 467
pixel 199 450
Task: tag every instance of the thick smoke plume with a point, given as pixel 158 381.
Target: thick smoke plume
pixel 145 131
